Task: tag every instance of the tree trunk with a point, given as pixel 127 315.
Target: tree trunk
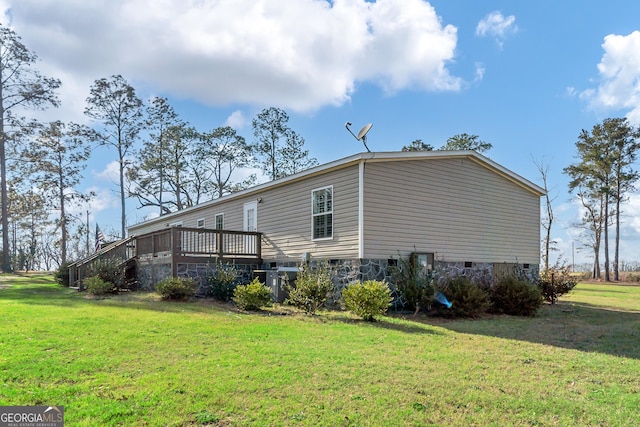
pixel 4 199
pixel 607 275
pixel 596 266
pixel 123 214
pixel 596 257
pixel 616 256
pixel 63 222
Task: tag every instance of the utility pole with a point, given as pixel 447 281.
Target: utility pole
pixel 88 233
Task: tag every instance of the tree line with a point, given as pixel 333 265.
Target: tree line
pixel 601 180
pixel 177 166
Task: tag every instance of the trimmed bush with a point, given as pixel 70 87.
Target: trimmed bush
pixel 310 288
pixel 252 296
pixel 467 299
pixel 222 284
pixel 367 299
pixel 515 297
pixel 176 288
pixel 97 286
pixel 556 282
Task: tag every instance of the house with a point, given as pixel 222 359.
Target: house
pixel 458 210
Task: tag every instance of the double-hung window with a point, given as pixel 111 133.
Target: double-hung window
pixel 322 213
pixel 219 218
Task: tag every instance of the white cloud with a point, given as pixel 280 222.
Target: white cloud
pixel 480 70
pixel 630 217
pixel 110 173
pixel 619 71
pixel 496 25
pixel 236 120
pixel 104 199
pixel 300 55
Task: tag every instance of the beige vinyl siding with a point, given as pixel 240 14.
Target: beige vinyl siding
pixel 455 208
pixel 284 216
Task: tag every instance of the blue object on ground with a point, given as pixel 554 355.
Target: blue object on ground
pixel 442 299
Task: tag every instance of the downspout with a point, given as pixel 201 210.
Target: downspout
pixel 361 209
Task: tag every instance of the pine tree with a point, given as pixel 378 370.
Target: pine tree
pixel 277 146
pixel 21 86
pixel 226 153
pixel 113 104
pixel 56 159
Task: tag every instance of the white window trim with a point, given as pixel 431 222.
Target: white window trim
pixel 198 223
pixel 215 220
pixel 176 224
pixel 325 213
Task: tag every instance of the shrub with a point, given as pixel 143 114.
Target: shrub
pixel 555 282
pixel 176 288
pixel 108 269
pixel 310 288
pixel 416 286
pixel 61 275
pixel 467 299
pixel 633 277
pixel 252 296
pixel 516 297
pixel 222 284
pixel 367 300
pixel 97 286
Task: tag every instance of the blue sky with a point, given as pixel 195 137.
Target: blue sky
pixel 524 76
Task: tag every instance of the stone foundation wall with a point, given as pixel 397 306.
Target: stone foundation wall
pixel 350 271
pixel 200 273
pixel 150 273
pixel 345 272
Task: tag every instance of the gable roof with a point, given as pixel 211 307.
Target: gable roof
pixel 356 159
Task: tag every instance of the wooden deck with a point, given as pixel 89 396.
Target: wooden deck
pixel 174 245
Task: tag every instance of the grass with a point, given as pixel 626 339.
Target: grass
pixel 135 360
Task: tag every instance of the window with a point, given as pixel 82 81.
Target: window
pixel 322 213
pixel 200 223
pixel 219 221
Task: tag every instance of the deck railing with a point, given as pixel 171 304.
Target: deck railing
pixel 200 242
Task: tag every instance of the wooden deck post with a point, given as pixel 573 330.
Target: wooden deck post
pixel 259 245
pixel 174 252
pixel 219 244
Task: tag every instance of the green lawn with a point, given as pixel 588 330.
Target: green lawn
pixel 133 360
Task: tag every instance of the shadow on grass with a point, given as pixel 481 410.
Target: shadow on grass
pixel 390 323
pixel 569 325
pixel 50 294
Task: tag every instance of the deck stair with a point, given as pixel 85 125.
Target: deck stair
pixel 121 253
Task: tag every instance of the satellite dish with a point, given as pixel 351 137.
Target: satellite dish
pixel 362 135
pixel 363 132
